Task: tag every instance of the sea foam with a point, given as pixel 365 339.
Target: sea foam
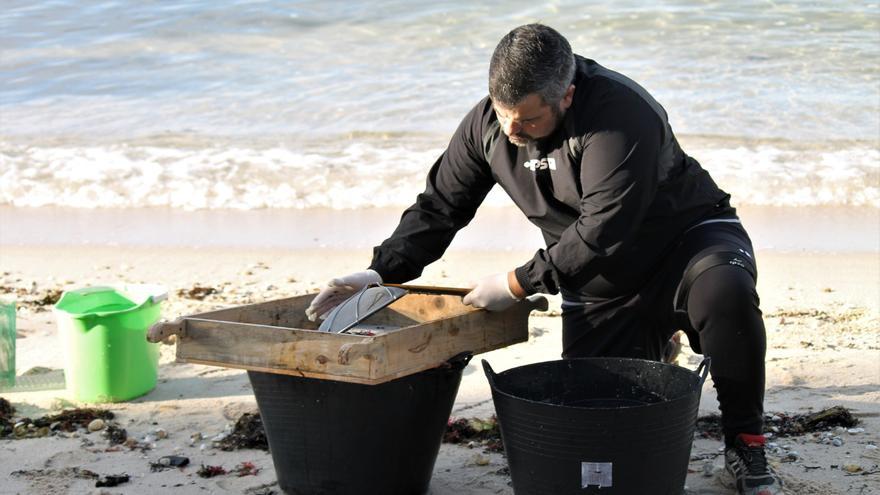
pixel 365 174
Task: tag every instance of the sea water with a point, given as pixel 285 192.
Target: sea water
pixel 205 104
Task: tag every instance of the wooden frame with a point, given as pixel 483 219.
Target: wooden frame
pixel 276 337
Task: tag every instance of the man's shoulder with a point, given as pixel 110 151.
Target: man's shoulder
pixel 478 131
pixel 604 95
pixel 480 121
pixel 481 112
pixel 601 84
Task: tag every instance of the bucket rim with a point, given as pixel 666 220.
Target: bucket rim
pixel 141 295
pixel 491 376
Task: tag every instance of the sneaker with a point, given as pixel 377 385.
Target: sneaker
pixel 747 464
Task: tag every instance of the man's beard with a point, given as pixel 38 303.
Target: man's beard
pixel 521 139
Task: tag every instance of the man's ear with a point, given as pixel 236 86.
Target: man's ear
pixel 567 99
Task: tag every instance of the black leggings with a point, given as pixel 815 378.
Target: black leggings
pixel 722 313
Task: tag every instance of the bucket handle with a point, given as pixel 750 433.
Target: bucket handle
pixel 490 373
pixel 462 357
pixel 703 369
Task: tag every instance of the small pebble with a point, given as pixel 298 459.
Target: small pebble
pixel 96 425
pixel 837 442
pixel 195 437
pixel 708 469
pixel 855 431
pixel 160 434
pixel 481 460
pixel 870 447
pixel 149 439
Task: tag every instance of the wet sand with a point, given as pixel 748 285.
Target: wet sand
pixel 794 229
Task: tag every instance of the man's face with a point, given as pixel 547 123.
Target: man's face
pixel 532 119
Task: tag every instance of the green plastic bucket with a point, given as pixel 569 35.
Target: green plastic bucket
pixel 104 333
pixel 7 344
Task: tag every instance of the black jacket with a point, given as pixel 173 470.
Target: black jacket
pixel 610 189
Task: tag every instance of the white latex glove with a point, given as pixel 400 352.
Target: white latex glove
pixel 338 290
pixel 491 293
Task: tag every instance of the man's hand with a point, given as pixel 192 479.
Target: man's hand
pixel 338 290
pixel 495 292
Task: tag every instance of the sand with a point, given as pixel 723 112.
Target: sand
pixel 822 312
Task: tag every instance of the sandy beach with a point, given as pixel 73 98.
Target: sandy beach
pixel 821 311
pixel 242 152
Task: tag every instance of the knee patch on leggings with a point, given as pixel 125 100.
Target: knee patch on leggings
pixel 721 292
pixel 723 307
pixel 694 271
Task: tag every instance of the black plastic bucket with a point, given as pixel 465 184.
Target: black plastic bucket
pixel 607 426
pixel 330 437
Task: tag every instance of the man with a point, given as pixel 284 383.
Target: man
pixel 640 240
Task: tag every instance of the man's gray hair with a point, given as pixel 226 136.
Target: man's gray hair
pixel 531 59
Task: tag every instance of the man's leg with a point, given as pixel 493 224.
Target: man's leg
pixel 615 327
pixel 723 307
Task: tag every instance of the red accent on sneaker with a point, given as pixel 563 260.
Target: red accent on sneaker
pixel 752 440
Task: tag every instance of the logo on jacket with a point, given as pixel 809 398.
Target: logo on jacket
pixel 542 164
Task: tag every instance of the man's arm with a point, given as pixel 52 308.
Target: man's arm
pixel 456 186
pixel 619 176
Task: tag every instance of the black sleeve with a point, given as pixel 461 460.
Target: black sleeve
pixel 619 175
pixel 457 183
